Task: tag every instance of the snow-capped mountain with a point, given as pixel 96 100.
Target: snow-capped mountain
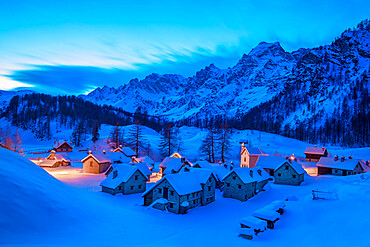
pixel 321 76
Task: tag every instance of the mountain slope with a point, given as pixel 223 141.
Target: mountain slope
pixel 313 87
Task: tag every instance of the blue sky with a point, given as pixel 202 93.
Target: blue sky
pixel 71 47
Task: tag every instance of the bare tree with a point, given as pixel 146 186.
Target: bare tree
pixel 17 143
pixel 208 145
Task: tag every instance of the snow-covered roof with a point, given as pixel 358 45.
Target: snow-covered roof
pixel 124 173
pixel 172 164
pixel 203 164
pixel 126 151
pixel 143 168
pixel 146 159
pixel 266 214
pixel 347 164
pixel 255 151
pixel 269 162
pixel 254 223
pixel 46 163
pixel 315 150
pixel 60 156
pixel 249 175
pixel 100 158
pixel 117 157
pixel 294 164
pixel 59 144
pixel 185 182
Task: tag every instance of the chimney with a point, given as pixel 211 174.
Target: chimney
pixel 52 154
pixel 58 143
pixel 342 158
pixel 120 146
pixel 90 152
pixel 115 173
pixel 323 148
pixel 259 172
pixel 103 151
pixel 350 157
pixel 336 157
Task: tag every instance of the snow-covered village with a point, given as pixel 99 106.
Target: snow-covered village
pixel 185 123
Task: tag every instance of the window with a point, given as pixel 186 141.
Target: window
pixel 120 188
pixel 279 174
pixel 159 190
pixel 245 159
pixel 91 164
pixel 194 201
pixel 294 176
pixel 136 177
pixel 171 192
pixel 187 197
pixel 286 167
pixel 239 186
pixel 140 186
pixel 132 187
pixel 171 205
pixel 209 188
pixel 234 177
pixel 228 184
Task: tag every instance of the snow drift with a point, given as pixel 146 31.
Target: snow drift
pixel 31 199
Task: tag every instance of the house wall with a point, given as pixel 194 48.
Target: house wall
pixel 324 170
pixel 285 176
pixel 207 195
pixel 341 172
pixel 175 198
pixel 64 148
pixel 260 185
pixel 94 167
pixel 232 191
pixel 133 186
pixel 314 157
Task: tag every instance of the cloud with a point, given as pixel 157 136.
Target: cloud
pixel 63 79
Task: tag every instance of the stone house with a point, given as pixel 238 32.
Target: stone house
pixel 269 163
pixel 171 165
pixel 61 159
pixel 249 156
pixel 145 159
pixel 182 191
pixel 125 179
pixel 289 172
pixel 62 147
pixel 244 183
pixel 127 151
pixel 218 170
pixel 95 163
pixel 342 166
pixel 315 153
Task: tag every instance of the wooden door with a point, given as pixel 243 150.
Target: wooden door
pixel 165 193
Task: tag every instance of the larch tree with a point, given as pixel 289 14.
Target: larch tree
pixel 224 141
pixel 8 142
pixel 168 140
pixel 209 145
pixel 17 145
pixel 116 137
pixel 135 138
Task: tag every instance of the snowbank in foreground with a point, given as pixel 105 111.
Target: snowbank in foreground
pixel 30 196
